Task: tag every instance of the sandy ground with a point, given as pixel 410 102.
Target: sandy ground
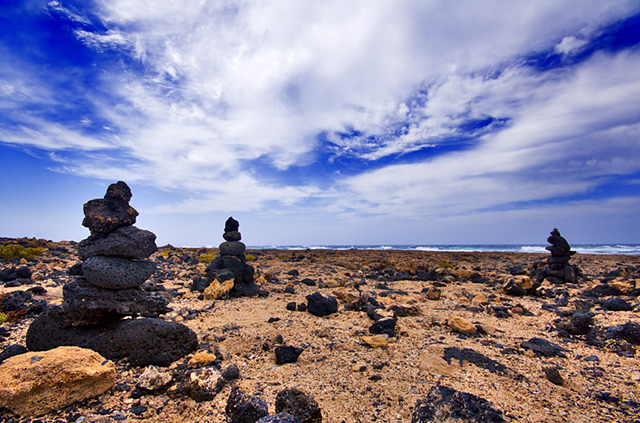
pixel 353 382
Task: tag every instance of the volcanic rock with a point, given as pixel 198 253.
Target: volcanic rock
pixel 127 241
pixel 11 351
pixel 88 304
pixel 117 272
pixel 319 305
pixel 443 404
pixel 36 383
pixel 629 331
pixel 543 347
pixel 153 378
pixel 142 342
pixel 244 408
pixel 104 215
pixel 300 405
pixel 617 304
pixel 287 354
pixel 279 418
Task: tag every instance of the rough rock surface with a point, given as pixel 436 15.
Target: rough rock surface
pixel 243 408
pixel 299 404
pixel 444 404
pixel 127 241
pixel 104 215
pixel 88 304
pixel 36 383
pixel 117 272
pixel 142 341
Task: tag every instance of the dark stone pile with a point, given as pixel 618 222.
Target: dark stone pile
pixel 95 305
pixel 558 269
pixel 231 264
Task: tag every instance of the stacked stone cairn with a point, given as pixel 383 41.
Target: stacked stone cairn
pixel 106 308
pixel 229 273
pixel 558 269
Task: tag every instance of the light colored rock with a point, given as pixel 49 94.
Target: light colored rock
pixel 459 324
pixel 37 383
pixel 346 295
pixel 376 341
pixel 202 358
pixel 479 299
pixel 359 367
pixel 217 290
pixel 462 273
pixel 434 293
pixel 622 285
pixel 153 378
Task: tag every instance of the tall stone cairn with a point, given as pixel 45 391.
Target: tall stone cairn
pixel 558 268
pixel 115 265
pixel 231 264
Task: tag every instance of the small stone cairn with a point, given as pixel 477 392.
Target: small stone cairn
pixel 106 309
pixel 559 269
pixel 229 272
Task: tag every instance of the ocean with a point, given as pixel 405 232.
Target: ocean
pixel 628 249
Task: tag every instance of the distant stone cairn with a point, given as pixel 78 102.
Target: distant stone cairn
pixel 230 264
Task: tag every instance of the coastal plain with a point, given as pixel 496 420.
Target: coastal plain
pixel 353 378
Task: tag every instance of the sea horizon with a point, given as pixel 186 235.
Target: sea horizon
pixel 626 249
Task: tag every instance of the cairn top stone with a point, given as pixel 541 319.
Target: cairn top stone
pixel 558 240
pixel 104 215
pixel 231 225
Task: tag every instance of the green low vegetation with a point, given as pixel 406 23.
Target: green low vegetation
pixel 206 258
pixel 444 264
pixel 17 251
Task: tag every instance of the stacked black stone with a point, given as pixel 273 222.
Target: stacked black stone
pixel 115 265
pixel 232 263
pixel 561 253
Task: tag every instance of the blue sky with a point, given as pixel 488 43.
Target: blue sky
pixel 360 122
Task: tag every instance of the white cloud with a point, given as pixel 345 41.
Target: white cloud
pixel 227 83
pixel 570 44
pixel 571 135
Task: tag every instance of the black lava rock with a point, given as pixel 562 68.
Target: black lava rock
pixel 297 403
pixel 629 331
pixel 291 306
pixel 11 351
pixel 142 341
pixel 244 408
pixel 21 301
pixel 279 418
pixel 543 347
pixel 23 272
pixel 231 373
pixel 617 304
pixel 8 274
pixel 287 354
pixel 319 305
pixel 446 404
pixel 384 326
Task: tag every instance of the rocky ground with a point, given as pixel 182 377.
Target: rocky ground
pixel 589 372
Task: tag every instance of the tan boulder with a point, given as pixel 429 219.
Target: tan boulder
pixel 346 295
pixel 623 285
pixel 217 290
pixel 462 273
pixel 434 293
pixel 376 341
pixel 37 383
pixel 459 324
